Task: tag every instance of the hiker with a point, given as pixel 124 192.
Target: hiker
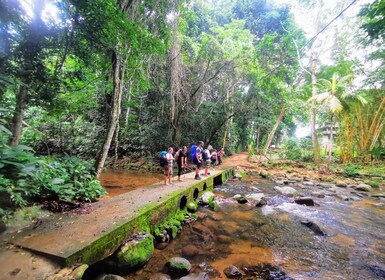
pixel 214 158
pixel 168 166
pixel 220 155
pixel 181 159
pixel 206 160
pixel 199 160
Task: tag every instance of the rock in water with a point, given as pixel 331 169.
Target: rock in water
pixel 315 228
pixel 232 272
pixel 178 267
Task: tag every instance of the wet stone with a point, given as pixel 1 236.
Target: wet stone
pixel 196 276
pixel 308 201
pixel 232 272
pixel 190 251
pixel 178 267
pixel 319 194
pixel 240 199
pixel 363 187
pixel 113 277
pixel 314 227
pixel 341 184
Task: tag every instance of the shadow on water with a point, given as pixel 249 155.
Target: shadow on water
pixel 270 242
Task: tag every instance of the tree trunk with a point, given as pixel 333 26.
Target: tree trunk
pixel 271 135
pixel 313 108
pixel 119 69
pixel 331 141
pixel 17 119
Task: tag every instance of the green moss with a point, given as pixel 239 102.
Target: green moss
pixel 132 255
pixel 192 207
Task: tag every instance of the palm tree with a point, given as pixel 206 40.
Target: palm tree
pixel 334 97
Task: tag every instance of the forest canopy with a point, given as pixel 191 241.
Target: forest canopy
pixel 107 79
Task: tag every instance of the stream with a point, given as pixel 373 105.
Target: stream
pixel 270 242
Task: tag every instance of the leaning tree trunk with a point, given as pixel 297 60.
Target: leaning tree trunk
pixel 272 132
pixel 119 69
pixel 313 108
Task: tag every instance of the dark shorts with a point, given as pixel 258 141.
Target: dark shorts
pixel 200 165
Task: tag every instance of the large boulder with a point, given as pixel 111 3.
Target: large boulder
pixel 133 254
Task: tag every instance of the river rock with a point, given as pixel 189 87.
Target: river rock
pixel 381 204
pixel 196 276
pixel 264 174
pixel 133 254
pixel 342 197
pixel 78 272
pixel 113 277
pixel 279 182
pixel 380 195
pixel 207 197
pixel 319 194
pixel 240 199
pixel 258 199
pixel 232 272
pixel 178 267
pixel 364 187
pixel 341 184
pixel 315 228
pixel 308 201
pixel 160 276
pixel 192 207
pixel 308 183
pixel 190 251
pixel 237 176
pixel 288 191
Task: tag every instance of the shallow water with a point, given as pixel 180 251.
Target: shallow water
pixel 248 237
pixel 117 182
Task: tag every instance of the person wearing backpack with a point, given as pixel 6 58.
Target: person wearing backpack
pixel 181 159
pixel 197 159
pixel 168 167
pixel 206 160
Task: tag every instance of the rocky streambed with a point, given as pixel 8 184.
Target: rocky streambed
pixel 284 227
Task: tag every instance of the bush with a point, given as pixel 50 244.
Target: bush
pixel 25 178
pixel 298 150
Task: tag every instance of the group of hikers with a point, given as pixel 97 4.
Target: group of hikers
pixel 202 157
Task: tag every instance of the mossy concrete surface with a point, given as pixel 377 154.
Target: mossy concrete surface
pixel 71 239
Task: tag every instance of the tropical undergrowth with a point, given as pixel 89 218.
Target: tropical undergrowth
pixel 26 179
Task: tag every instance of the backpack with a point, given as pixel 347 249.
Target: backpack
pixel 162 158
pixel 193 151
pixel 205 155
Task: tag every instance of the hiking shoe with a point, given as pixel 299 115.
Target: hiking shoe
pixel 197 178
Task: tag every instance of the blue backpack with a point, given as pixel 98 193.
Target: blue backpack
pixel 162 158
pixel 193 151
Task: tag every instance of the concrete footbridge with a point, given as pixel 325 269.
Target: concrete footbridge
pixel 86 238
